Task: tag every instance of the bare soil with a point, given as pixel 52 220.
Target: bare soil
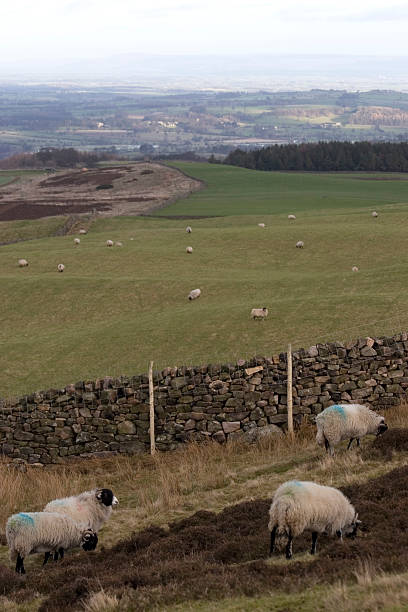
pixel 137 188
pixel 213 556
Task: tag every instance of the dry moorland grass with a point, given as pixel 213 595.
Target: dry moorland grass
pixel 172 486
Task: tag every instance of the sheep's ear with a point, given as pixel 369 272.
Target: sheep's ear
pixel 99 494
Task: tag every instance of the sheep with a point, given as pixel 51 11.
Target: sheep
pixel 36 532
pixel 194 294
pixel 374 214
pixel 354 269
pixel 77 241
pixel 60 267
pixel 300 244
pixel 109 243
pixel 82 231
pixel 118 244
pixel 22 263
pixel 259 313
pixel 298 506
pixel 342 421
pixel 261 224
pixel 188 229
pixel 189 249
pixel 292 217
pixel 92 507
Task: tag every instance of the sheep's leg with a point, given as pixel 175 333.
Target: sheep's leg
pixel 326 444
pixel 56 555
pixel 61 553
pixel 20 565
pixel 314 542
pixel 351 442
pixel 289 551
pixel 46 557
pixel 272 546
pixel 358 441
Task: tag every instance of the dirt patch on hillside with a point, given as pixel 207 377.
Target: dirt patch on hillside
pixel 213 556
pixel 133 189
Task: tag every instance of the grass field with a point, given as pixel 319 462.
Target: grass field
pixel 113 310
pixel 176 561
pixel 237 191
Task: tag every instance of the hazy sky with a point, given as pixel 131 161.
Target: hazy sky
pixel 74 29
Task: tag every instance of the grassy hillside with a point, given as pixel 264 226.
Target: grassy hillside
pixel 201 541
pixel 113 310
pixel 237 191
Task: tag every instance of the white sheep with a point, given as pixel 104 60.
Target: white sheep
pixel 194 294
pixel 118 244
pixel 82 231
pixel 188 229
pixel 300 244
pixel 91 507
pixel 60 267
pixel 261 224
pixel 374 214
pixel 189 249
pixel 259 313
pixel 77 241
pixel 354 269
pixel 298 506
pixel 109 243
pixel 37 532
pixel 22 263
pixel 342 421
pixel 292 217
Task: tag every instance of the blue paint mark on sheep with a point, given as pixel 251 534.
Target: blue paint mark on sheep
pixel 291 487
pixel 25 518
pixel 338 410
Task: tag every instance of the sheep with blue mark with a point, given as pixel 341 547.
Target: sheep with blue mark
pixel 28 533
pixel 347 421
pixel 299 506
pixel 91 507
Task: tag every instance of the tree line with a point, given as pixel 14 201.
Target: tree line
pixel 55 158
pixel 325 157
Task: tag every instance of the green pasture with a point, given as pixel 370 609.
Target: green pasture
pixel 238 191
pixel 114 309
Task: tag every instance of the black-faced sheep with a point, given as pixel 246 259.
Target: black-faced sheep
pixel 194 294
pixel 22 263
pixel 45 532
pixel 300 244
pixel 60 267
pixel 259 313
pixel 299 506
pixel 91 507
pixel 347 421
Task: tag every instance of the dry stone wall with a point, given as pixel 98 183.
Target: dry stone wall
pixel 218 402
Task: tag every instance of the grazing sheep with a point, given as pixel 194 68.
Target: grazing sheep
pixel 259 313
pixel 374 214
pixel 354 269
pixel 119 244
pixel 37 532
pixel 77 241
pixel 194 294
pixel 82 231
pixel 109 243
pixel 291 217
pixel 298 506
pixel 300 244
pixel 342 421
pixel 189 249
pixel 188 229
pixel 261 224
pixel 22 263
pixel 60 267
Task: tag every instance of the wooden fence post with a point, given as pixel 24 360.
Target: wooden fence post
pixel 151 403
pixel 289 393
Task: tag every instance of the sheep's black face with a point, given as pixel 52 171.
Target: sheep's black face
pixel 382 427
pixel 106 497
pixel 89 540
